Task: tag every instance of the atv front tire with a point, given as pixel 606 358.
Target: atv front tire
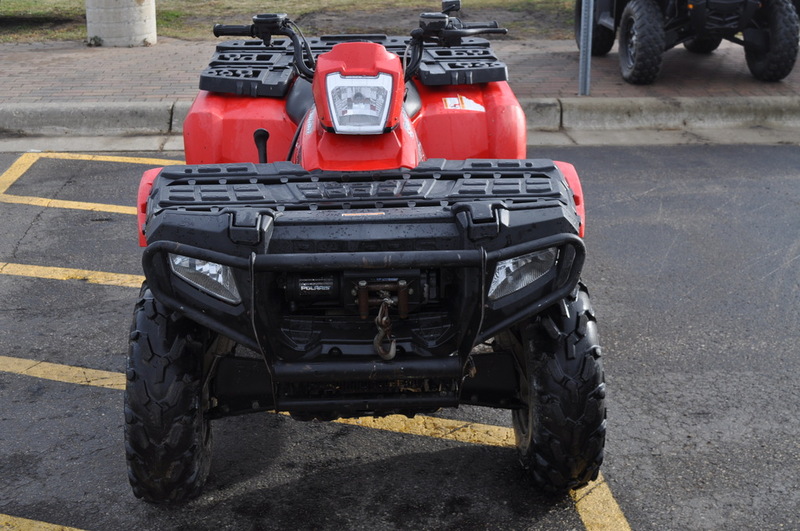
pixel 167 437
pixel 602 37
pixel 780 20
pixel 560 433
pixel 641 42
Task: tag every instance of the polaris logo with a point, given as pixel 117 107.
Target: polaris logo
pixel 315 285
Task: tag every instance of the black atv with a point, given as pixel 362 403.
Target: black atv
pixel 768 30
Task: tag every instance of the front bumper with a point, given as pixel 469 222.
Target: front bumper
pixel 313 255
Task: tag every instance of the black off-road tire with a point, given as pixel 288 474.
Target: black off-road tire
pixel 560 434
pixel 602 37
pixel 167 437
pixel 703 46
pixel 780 19
pixel 641 42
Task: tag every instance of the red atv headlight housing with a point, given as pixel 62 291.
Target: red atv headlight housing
pixel 358 89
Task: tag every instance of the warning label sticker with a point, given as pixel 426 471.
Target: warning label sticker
pixel 462 103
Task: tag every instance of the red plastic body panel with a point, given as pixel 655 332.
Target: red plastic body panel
pixel 456 122
pixel 571 175
pixel 145 185
pixel 471 122
pixel 318 149
pixel 358 59
pixel 219 128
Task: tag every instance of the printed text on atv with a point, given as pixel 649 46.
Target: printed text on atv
pixel 361 273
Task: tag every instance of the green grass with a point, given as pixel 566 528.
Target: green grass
pixel 41 20
pixel 25 20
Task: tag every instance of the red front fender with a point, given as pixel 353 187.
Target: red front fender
pixel 571 175
pixel 145 185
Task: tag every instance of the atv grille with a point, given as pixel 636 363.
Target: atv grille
pixel 724 15
pixel 722 21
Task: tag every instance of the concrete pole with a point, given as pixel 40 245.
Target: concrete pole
pixel 121 22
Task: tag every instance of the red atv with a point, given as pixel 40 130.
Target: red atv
pixel 357 216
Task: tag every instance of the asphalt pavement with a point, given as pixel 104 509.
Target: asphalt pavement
pixel 56 91
pixel 692 267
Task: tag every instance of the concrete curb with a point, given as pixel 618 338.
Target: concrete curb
pixel 83 119
pixel 615 114
pixel 544 114
pixel 592 114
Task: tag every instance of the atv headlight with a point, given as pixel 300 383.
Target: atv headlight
pixel 515 273
pixel 359 105
pixel 214 279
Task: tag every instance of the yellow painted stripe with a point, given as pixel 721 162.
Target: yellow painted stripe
pixel 595 504
pixel 20 166
pixel 13 523
pixel 63 273
pixel 598 509
pixel 108 158
pixel 74 205
pixel 26 160
pixel 63 373
pixel 454 430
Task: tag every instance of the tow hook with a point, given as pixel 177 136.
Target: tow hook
pixel 384 325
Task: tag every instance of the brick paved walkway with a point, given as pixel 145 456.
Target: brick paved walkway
pixel 169 71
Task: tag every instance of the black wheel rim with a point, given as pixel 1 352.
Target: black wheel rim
pixel 629 31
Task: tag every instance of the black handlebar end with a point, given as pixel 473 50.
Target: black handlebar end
pixel 224 30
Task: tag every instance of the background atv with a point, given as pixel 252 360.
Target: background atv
pixel 768 30
pixel 351 269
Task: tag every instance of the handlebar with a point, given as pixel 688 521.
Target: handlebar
pixel 438 28
pixel 481 25
pixel 451 33
pixel 237 30
pixel 266 25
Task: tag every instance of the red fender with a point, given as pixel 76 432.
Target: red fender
pixel 145 185
pixel 571 175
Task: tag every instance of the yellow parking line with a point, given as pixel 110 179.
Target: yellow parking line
pixel 12 523
pixel 62 373
pixel 63 273
pixel 595 503
pixel 597 507
pixel 74 205
pixel 26 160
pixel 20 166
pixel 108 158
pixel 454 430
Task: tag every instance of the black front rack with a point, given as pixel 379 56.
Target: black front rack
pixel 248 68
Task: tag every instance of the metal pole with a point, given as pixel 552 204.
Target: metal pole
pixel 584 62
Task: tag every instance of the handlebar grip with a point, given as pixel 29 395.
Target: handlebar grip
pixel 480 25
pixel 223 30
pixel 447 34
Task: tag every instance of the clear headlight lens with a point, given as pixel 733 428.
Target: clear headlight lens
pixel 359 105
pixel 215 279
pixel 515 273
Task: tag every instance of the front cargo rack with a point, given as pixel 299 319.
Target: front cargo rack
pixel 284 185
pixel 249 68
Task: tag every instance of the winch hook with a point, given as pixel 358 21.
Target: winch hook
pixel 384 325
